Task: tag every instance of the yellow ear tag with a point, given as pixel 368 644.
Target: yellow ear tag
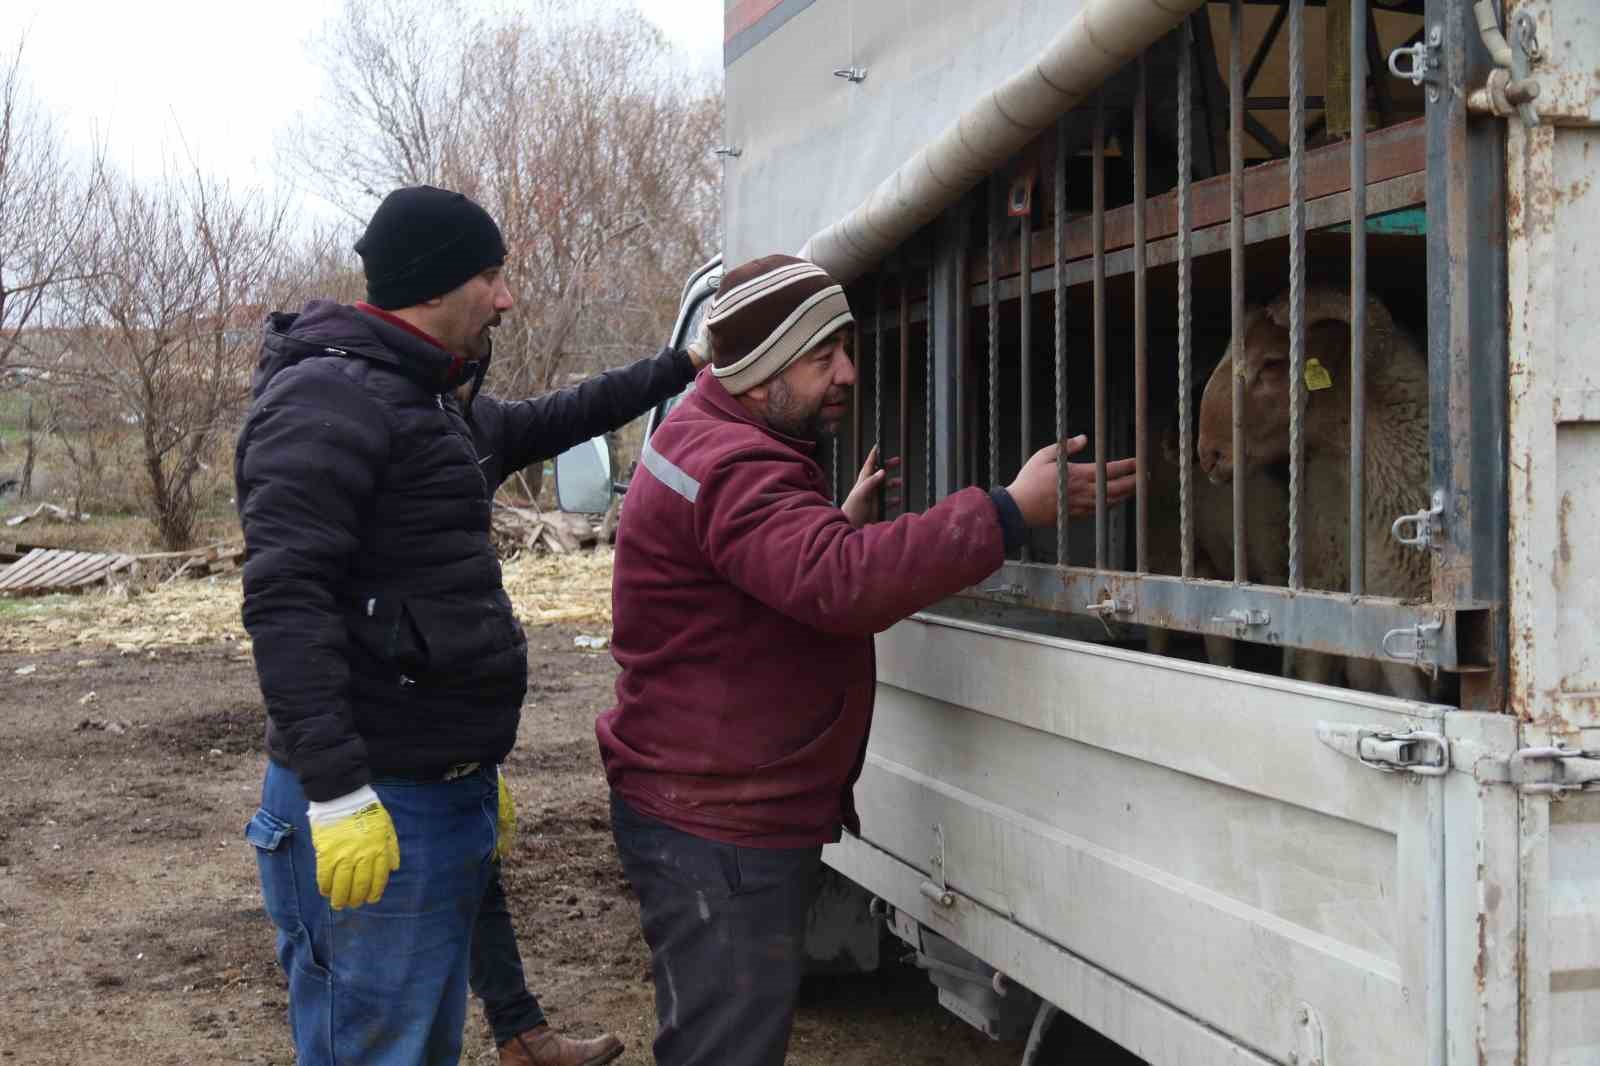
pixel 1317 376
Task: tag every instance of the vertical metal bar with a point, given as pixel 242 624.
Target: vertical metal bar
pixel 927 440
pixel 857 452
pixel 1297 280
pixel 1061 336
pixel 833 468
pixel 877 367
pixel 904 454
pixel 1236 261
pixel 1141 311
pixel 1185 327
pixel 1025 342
pixel 1358 295
pixel 1102 527
pixel 993 237
pixel 962 458
pixel 1468 344
pixel 947 320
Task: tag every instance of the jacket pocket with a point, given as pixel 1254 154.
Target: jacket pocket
pixel 453 636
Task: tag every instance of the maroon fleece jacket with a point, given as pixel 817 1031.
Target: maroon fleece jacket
pixel 745 606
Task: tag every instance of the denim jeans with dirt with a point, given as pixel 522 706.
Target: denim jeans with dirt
pixel 384 983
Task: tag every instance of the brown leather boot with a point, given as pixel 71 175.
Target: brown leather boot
pixel 541 1046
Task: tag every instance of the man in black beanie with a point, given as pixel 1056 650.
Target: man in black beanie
pixel 390 660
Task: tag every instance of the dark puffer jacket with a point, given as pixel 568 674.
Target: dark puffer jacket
pixel 384 640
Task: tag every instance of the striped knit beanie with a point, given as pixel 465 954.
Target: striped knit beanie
pixel 769 312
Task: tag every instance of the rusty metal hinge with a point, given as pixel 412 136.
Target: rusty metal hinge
pixel 1570 770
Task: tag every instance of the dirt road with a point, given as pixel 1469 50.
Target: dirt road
pixel 131 929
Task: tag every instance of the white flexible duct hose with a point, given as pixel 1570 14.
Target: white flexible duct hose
pixel 1102 38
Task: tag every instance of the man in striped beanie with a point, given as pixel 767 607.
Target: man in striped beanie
pixel 745 605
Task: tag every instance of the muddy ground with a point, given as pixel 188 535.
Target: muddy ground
pixel 131 928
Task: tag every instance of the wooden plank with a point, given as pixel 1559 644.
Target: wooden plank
pixel 58 570
pixel 44 565
pixel 15 572
pixel 1391 153
pixel 83 570
pixel 63 562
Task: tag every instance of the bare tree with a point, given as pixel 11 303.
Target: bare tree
pixel 44 210
pixel 166 327
pixel 573 129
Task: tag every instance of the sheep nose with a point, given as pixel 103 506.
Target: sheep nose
pixel 1209 458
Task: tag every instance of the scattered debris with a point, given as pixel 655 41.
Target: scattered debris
pixel 574 588
pixel 88 698
pixel 58 513
pixel 24 671
pixel 529 528
pixel 101 725
pixel 592 643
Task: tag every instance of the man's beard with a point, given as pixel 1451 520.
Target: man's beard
pixel 478 347
pixel 787 414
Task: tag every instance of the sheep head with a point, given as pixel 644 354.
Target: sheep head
pixel 1268 391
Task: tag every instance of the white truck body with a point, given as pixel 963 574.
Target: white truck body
pixel 1188 858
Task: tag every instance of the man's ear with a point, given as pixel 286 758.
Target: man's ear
pixel 757 393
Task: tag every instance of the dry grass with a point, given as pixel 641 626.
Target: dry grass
pixel 573 589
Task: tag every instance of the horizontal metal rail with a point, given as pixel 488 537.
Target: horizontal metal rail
pixel 1332 622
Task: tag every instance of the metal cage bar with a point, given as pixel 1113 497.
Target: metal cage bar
pixel 1102 525
pixel 1061 335
pixel 1025 342
pixel 1186 444
pixel 904 424
pixel 1358 293
pixel 1141 313
pixel 857 452
pixel 1236 266
pixel 877 366
pixel 927 440
pixel 996 205
pixel 1297 282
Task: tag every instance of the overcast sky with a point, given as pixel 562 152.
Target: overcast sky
pixel 229 75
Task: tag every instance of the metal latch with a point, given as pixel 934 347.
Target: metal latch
pixel 1413 751
pixel 1428 526
pixel 1242 619
pixel 1011 589
pixel 728 151
pixel 1415 645
pixel 937 890
pixel 1571 770
pixel 853 75
pixel 1107 611
pixel 1424 56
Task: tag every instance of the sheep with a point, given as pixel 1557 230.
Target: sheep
pixel 1397 457
pixel 1266 523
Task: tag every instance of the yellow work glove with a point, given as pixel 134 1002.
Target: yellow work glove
pixel 356 848
pixel 506 823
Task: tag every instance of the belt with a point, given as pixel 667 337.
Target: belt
pixel 432 773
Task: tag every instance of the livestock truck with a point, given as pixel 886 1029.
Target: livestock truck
pixel 1200 774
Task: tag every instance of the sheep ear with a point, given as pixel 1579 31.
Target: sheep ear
pixel 1328 341
pixel 1265 343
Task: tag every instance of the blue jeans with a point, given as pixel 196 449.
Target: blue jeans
pixel 726 927
pixel 496 969
pixel 383 984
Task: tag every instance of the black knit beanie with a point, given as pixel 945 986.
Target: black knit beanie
pixel 422 242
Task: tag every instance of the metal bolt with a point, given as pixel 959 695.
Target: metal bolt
pixel 1302 1016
